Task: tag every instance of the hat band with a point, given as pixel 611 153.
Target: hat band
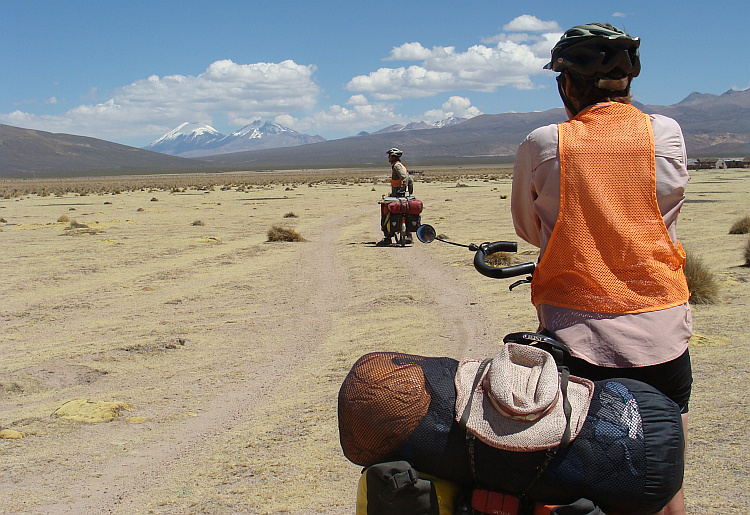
pixel 530 417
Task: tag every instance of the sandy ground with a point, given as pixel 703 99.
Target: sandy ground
pixel 223 353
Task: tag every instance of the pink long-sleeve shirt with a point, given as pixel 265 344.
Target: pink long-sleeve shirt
pixel 626 340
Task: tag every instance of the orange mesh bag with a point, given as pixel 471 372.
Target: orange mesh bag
pixel 380 403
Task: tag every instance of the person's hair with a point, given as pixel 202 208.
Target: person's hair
pixel 586 92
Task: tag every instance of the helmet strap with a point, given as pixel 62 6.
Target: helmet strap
pixel 564 96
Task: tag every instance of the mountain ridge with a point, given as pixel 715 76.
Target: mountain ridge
pixel 713 126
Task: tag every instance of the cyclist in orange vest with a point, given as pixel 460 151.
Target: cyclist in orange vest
pixel 401 185
pixel 401 182
pixel 599 195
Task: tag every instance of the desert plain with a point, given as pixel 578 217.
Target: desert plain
pixel 158 355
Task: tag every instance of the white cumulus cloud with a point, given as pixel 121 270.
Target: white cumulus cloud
pixel 504 60
pixel 157 104
pixel 360 115
pixel 528 23
pixel 455 106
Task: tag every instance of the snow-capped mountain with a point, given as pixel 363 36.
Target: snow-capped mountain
pixel 197 140
pixel 453 120
pixel 411 126
pixel 258 135
pixel 185 138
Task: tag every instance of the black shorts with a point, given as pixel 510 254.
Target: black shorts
pixel 673 378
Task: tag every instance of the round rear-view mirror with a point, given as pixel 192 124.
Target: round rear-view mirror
pixel 426 233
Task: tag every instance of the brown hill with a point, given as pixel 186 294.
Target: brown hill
pixel 32 153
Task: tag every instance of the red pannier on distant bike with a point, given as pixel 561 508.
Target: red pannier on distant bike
pixel 400 216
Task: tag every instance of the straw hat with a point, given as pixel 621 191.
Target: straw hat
pixel 518 403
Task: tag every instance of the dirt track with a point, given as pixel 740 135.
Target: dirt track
pixel 229 350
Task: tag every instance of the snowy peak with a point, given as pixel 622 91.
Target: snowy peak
pixel 448 122
pixel 186 136
pixel 259 128
pixel 411 126
pixel 196 140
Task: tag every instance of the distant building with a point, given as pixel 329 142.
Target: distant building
pixel 715 163
pixel 737 162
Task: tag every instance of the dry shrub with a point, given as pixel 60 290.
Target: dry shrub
pixel 499 259
pixel 746 253
pixel 290 215
pixel 701 282
pixel 741 226
pixel 63 219
pixel 278 233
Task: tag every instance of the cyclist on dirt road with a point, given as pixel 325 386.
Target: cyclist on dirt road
pixel 401 185
pixel 599 195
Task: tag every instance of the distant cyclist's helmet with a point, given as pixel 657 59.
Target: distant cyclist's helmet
pixel 395 152
pixel 596 50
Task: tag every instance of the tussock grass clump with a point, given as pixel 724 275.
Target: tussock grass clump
pixel 63 219
pixel 499 259
pixel 741 226
pixel 746 253
pixel 74 224
pixel 278 233
pixel 701 282
pixel 290 215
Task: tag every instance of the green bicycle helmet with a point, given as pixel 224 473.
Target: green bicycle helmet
pixel 596 50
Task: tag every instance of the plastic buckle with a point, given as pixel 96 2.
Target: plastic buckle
pixel 403 479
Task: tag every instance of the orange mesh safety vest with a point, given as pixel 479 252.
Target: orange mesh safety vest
pixel 609 251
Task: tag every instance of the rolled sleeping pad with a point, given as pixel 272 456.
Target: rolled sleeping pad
pixel 627 458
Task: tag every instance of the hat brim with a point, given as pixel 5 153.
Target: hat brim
pixel 501 432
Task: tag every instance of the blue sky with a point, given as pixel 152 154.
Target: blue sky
pixel 130 71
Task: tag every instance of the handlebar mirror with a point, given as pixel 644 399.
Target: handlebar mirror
pixel 426 233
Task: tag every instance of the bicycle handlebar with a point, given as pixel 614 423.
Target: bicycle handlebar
pixel 483 250
pixel 427 234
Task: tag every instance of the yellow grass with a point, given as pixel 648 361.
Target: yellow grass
pixel 229 350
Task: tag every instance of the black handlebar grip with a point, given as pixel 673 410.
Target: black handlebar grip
pixel 499 246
